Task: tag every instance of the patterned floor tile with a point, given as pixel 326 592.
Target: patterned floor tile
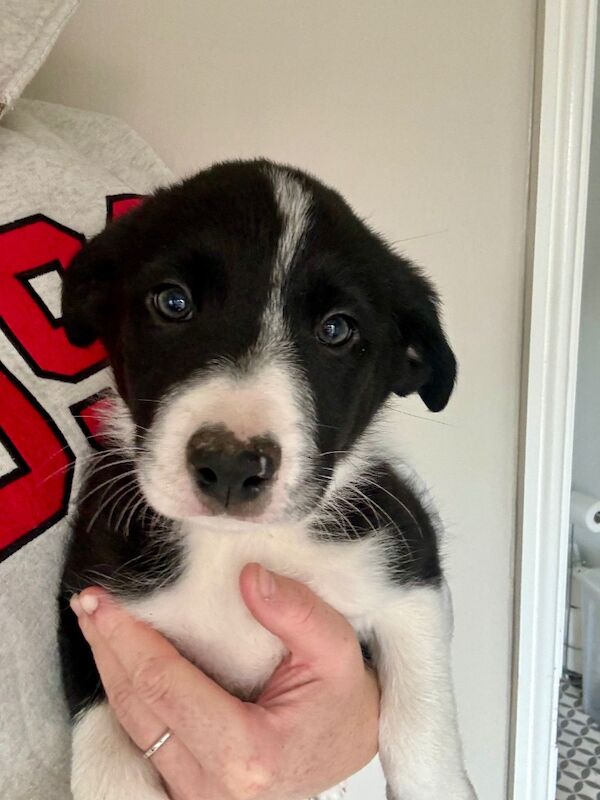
pixel 578 748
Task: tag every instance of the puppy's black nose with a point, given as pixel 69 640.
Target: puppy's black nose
pixel 229 471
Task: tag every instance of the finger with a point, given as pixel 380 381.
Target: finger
pixel 173 760
pixel 194 707
pixel 311 629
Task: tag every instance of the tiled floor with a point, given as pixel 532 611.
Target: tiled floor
pixel 578 749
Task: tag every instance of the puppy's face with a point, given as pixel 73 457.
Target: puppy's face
pixel 255 326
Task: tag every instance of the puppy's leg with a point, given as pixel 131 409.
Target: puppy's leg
pixel 419 743
pixel 106 765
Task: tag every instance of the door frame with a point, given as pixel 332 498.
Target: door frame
pixel 561 134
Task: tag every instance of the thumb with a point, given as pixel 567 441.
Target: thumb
pixel 311 629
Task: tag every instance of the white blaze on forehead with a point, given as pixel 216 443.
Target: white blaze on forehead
pixel 293 202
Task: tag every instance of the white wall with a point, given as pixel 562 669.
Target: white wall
pixel 586 451
pixel 419 113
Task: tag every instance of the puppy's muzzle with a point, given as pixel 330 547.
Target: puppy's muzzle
pixel 232 475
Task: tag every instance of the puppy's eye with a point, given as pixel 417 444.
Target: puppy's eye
pixel 173 303
pixel 336 330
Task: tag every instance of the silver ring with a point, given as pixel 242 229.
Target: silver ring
pixel 158 744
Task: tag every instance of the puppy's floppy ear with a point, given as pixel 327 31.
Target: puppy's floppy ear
pixel 85 291
pixel 427 363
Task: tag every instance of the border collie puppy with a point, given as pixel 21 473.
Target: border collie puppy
pixel 256 327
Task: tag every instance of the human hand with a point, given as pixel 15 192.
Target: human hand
pixel 315 723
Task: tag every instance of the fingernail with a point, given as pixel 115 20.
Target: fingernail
pixel 266 583
pixel 84 604
pixel 89 603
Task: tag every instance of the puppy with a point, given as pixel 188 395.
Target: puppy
pixel 256 327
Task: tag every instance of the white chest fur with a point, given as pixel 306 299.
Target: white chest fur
pixel 203 612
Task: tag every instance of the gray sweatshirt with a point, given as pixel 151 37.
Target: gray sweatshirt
pixel 62 172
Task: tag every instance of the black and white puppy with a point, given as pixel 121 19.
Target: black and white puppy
pixel 255 328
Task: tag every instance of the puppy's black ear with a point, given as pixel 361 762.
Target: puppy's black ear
pixel 427 363
pixel 85 289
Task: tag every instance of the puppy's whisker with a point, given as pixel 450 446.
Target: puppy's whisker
pixel 60 470
pixel 120 494
pixel 394 410
pixel 135 506
pixel 111 465
pixel 104 503
pixel 112 479
pixel 84 458
pixel 334 453
pixel 131 493
pixel 403 505
pixel 58 452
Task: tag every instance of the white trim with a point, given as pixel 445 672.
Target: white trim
pixel 559 189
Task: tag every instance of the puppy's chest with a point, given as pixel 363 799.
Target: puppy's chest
pixel 204 615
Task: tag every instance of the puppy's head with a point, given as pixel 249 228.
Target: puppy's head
pixel 255 326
